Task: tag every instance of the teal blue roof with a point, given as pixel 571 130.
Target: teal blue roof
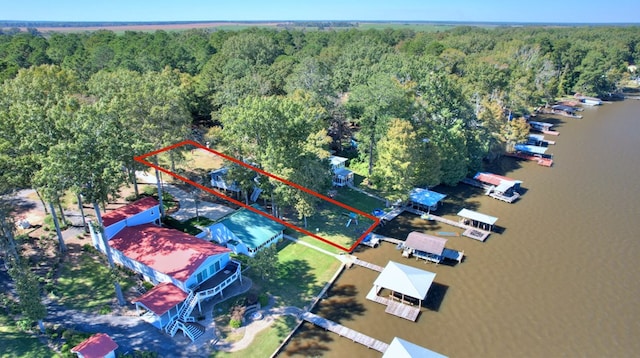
pixel 251 228
pixel 425 196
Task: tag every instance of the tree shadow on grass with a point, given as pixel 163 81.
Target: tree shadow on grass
pixel 294 283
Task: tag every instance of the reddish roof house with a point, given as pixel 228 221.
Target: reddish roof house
pixel 99 345
pixel 186 270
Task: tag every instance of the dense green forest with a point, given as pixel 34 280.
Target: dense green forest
pixel 423 108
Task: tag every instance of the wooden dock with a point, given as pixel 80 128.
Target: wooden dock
pixel 392 214
pixel 545 162
pixel 346 332
pixel 368 265
pixel 394 308
pixel 388 239
pixel 469 231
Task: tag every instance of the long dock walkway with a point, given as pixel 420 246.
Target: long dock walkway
pixel 368 265
pixel 343 331
pixel 470 231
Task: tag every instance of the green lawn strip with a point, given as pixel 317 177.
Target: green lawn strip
pixel 265 342
pixel 88 285
pixel 330 222
pixel 16 343
pixel 301 274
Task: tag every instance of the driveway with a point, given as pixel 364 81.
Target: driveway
pixel 187 202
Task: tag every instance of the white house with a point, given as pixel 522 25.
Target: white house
pixel 245 232
pixel 341 175
pixel 185 269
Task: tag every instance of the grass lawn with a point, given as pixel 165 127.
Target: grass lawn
pixel 265 342
pixel 330 220
pixel 301 274
pixel 15 343
pixel 86 284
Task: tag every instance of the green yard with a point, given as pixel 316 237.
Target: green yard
pixel 265 342
pixel 85 284
pixel 330 222
pixel 301 274
pixel 16 343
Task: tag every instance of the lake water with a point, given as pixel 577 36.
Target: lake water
pixel 559 280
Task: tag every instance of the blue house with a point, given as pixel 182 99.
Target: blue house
pixel 245 232
pixel 185 269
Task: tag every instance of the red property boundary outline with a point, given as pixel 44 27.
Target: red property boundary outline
pixel 376 221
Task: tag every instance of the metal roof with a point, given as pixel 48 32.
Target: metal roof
pixel 427 243
pixel 251 228
pixel 531 148
pixel 399 348
pixel 405 279
pixel 425 196
pixel 476 216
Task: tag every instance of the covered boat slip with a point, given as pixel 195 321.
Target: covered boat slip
pixel 533 150
pixel 429 248
pixel 423 201
pixel 477 219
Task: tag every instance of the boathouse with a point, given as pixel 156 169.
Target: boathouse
pixel 532 150
pixel 429 248
pixel 498 186
pixel 399 348
pixel 406 284
pixel 341 175
pixel 476 219
pixel 543 127
pixel 99 345
pixel 422 201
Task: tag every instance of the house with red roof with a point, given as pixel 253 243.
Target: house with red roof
pixel 185 269
pixel 99 345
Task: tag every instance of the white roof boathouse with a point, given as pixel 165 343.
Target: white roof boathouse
pixel 408 288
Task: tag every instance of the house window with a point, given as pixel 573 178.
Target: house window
pixel 200 276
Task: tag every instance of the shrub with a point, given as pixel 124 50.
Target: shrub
pixel 24 324
pixel 104 310
pixel 263 299
pixel 147 285
pixel 235 323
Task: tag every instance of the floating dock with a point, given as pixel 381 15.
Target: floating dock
pixel 392 214
pixel 545 162
pixel 346 332
pixel 470 231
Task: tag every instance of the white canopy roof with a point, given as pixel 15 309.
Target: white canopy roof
pixel 405 279
pixel 335 160
pixel 476 216
pixel 399 348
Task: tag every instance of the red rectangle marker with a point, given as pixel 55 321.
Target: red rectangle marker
pixel 376 221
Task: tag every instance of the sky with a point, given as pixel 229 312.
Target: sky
pixel 546 11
